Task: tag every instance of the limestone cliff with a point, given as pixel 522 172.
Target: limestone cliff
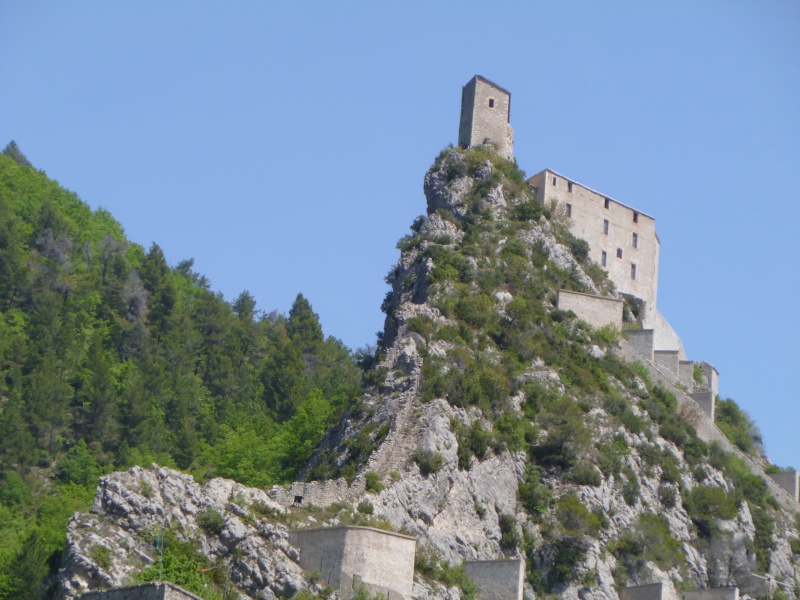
pixel 497 425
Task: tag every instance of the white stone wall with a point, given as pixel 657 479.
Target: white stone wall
pixel 349 556
pixel 597 311
pixel 587 214
pixel 481 122
pixel 497 579
pixel 789 481
pixel 731 593
pixel 653 591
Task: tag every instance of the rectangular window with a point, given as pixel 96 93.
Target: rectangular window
pixel 635 217
pixel 607 203
pixel 569 209
pixel 633 271
pixel 605 226
pixel 569 187
pixel 635 240
pixel 619 252
pixel 491 102
pixel 603 258
pixel 554 180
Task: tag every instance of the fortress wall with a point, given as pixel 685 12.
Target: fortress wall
pixel 712 376
pixel 144 591
pixel 597 311
pixel 497 579
pixel 642 341
pixel 789 481
pixel 686 373
pixel 666 338
pixel 706 401
pixel 668 359
pixel 653 591
pixel 731 593
pixel 707 431
pixel 588 212
pixel 348 557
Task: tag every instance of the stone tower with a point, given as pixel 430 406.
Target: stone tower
pixel 485 111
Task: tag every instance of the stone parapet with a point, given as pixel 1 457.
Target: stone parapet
pixel 597 311
pixel 161 590
pixel 641 340
pixel 497 579
pixel 789 481
pixel 706 401
pixel 728 593
pixel 686 374
pixel 668 359
pixel 652 591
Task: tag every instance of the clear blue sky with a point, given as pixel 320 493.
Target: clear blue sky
pixel 283 145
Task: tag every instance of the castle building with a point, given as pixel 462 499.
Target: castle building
pixel 485 116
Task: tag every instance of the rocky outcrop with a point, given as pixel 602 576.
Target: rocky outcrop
pixel 110 545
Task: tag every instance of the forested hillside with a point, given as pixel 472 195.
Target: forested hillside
pixel 109 357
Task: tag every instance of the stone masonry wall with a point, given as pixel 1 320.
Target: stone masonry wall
pixel 653 591
pixel 789 481
pixel 347 557
pixel 597 311
pixel 485 113
pixel 497 579
pixel 731 593
pixel 587 213
pixel 642 341
pixel 144 591
pixel 668 359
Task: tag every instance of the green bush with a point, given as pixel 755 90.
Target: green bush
pixel 428 461
pixel 585 473
pixel 373 482
pixel 211 520
pixel 708 502
pixel 575 518
pixel 101 555
pixel 738 427
pixel 630 487
pixel 568 554
pixel 509 538
pixel 365 507
pixel 532 493
pixel 668 496
pixel 649 539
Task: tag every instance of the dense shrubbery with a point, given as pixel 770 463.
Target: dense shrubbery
pixel 737 425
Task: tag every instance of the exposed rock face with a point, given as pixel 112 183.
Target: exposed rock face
pixel 131 506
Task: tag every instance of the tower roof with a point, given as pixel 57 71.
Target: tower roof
pixel 492 83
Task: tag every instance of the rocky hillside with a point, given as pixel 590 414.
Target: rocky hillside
pixel 495 425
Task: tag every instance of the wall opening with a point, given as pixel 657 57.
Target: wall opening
pixel 633 270
pixel 605 226
pixel 491 102
pixel 569 209
pixel 554 181
pixel 635 240
pixel 603 258
pixel 619 252
pixel 635 217
pixel 607 203
pixel 569 187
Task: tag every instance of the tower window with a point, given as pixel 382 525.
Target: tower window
pixel 619 252
pixel 635 240
pixel 633 271
pixel 635 217
pixel 491 102
pixel 569 187
pixel 569 209
pixel 607 203
pixel 604 258
pixel 554 180
pixel 605 226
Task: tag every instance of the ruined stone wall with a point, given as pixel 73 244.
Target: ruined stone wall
pixel 485 114
pixel 347 557
pixel 497 579
pixel 588 210
pixel 319 493
pixel 597 311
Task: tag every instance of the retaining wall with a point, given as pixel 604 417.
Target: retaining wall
pixel 347 557
pixel 497 579
pixel 319 493
pixel 597 311
pixel 712 376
